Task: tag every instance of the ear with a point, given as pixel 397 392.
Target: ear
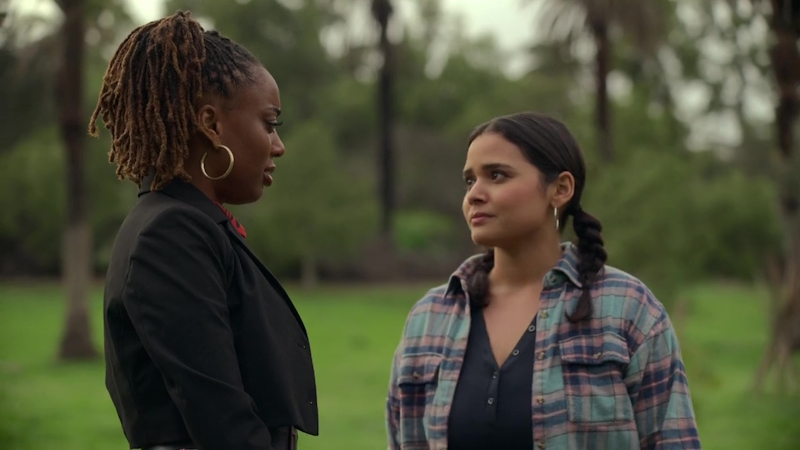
pixel 563 189
pixel 209 124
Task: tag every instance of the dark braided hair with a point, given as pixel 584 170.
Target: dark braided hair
pixel 548 144
pixel 147 100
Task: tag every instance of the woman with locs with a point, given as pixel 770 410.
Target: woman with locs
pixel 204 349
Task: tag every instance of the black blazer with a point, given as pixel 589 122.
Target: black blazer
pixel 203 347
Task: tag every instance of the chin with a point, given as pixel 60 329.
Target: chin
pixel 485 239
pixel 246 197
pixel 255 196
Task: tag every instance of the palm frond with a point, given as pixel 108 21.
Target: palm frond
pixel 641 20
pixel 560 19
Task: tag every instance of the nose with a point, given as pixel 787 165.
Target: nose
pixel 277 145
pixel 476 194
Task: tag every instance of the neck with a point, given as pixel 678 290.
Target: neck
pixel 203 184
pixel 525 264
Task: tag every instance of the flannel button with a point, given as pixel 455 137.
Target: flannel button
pixel 415 375
pixel 540 400
pixel 541 355
pixel 543 314
pixel 540 445
pixel 598 355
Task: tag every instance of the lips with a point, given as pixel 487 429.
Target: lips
pixel 268 175
pixel 479 218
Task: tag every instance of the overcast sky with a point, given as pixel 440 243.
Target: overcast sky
pixel 505 18
pixel 509 23
pixel 512 27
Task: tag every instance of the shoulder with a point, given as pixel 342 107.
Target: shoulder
pixel 624 297
pixel 432 313
pixel 162 212
pixel 429 324
pixel 436 302
pixel 168 223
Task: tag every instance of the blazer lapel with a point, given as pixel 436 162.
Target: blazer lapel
pixel 267 274
pixel 189 194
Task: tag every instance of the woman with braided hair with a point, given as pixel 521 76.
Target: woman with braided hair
pixel 203 347
pixel 536 344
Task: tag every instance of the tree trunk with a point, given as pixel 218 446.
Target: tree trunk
pixel 599 28
pixel 76 341
pixel 785 60
pixel 309 278
pixel 382 11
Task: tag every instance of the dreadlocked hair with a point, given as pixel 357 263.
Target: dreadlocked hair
pixel 148 95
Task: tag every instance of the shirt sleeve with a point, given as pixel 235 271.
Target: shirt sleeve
pixel 178 305
pixel 393 404
pixel 657 383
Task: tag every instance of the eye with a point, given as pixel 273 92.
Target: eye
pixel 469 181
pixel 497 175
pixel 271 125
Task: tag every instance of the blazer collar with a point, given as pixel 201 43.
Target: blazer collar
pixel 185 192
pixel 189 194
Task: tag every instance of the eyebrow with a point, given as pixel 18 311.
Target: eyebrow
pixel 489 167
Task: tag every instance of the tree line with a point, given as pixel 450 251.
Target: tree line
pixel 370 187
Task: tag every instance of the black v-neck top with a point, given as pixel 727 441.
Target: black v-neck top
pixel 492 405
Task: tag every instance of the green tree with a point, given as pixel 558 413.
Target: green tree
pixel 568 19
pixel 26 78
pixel 287 40
pixel 76 341
pixel 784 22
pixel 382 12
pixel 35 211
pixel 320 209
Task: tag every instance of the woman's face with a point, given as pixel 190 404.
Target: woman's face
pixel 247 124
pixel 507 200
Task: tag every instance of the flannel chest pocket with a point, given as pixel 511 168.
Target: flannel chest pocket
pixel 416 384
pixel 593 367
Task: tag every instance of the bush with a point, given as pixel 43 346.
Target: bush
pixel 672 219
pixel 417 231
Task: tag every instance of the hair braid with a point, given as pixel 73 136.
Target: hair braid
pixel 147 100
pixel 478 283
pixel 592 258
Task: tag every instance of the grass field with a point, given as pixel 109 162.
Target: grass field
pixel 44 405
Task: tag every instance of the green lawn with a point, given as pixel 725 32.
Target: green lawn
pixel 44 405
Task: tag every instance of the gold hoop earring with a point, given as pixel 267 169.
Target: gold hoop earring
pixel 227 172
pixel 555 214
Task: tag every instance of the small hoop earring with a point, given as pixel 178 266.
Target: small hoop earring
pixel 555 215
pixel 227 172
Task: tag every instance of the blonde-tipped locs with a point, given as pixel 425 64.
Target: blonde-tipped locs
pixel 150 89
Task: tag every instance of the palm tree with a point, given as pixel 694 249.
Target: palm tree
pixel 382 12
pixel 567 20
pixel 784 24
pixel 76 342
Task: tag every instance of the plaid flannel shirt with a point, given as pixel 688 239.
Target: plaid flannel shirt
pixel 615 381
